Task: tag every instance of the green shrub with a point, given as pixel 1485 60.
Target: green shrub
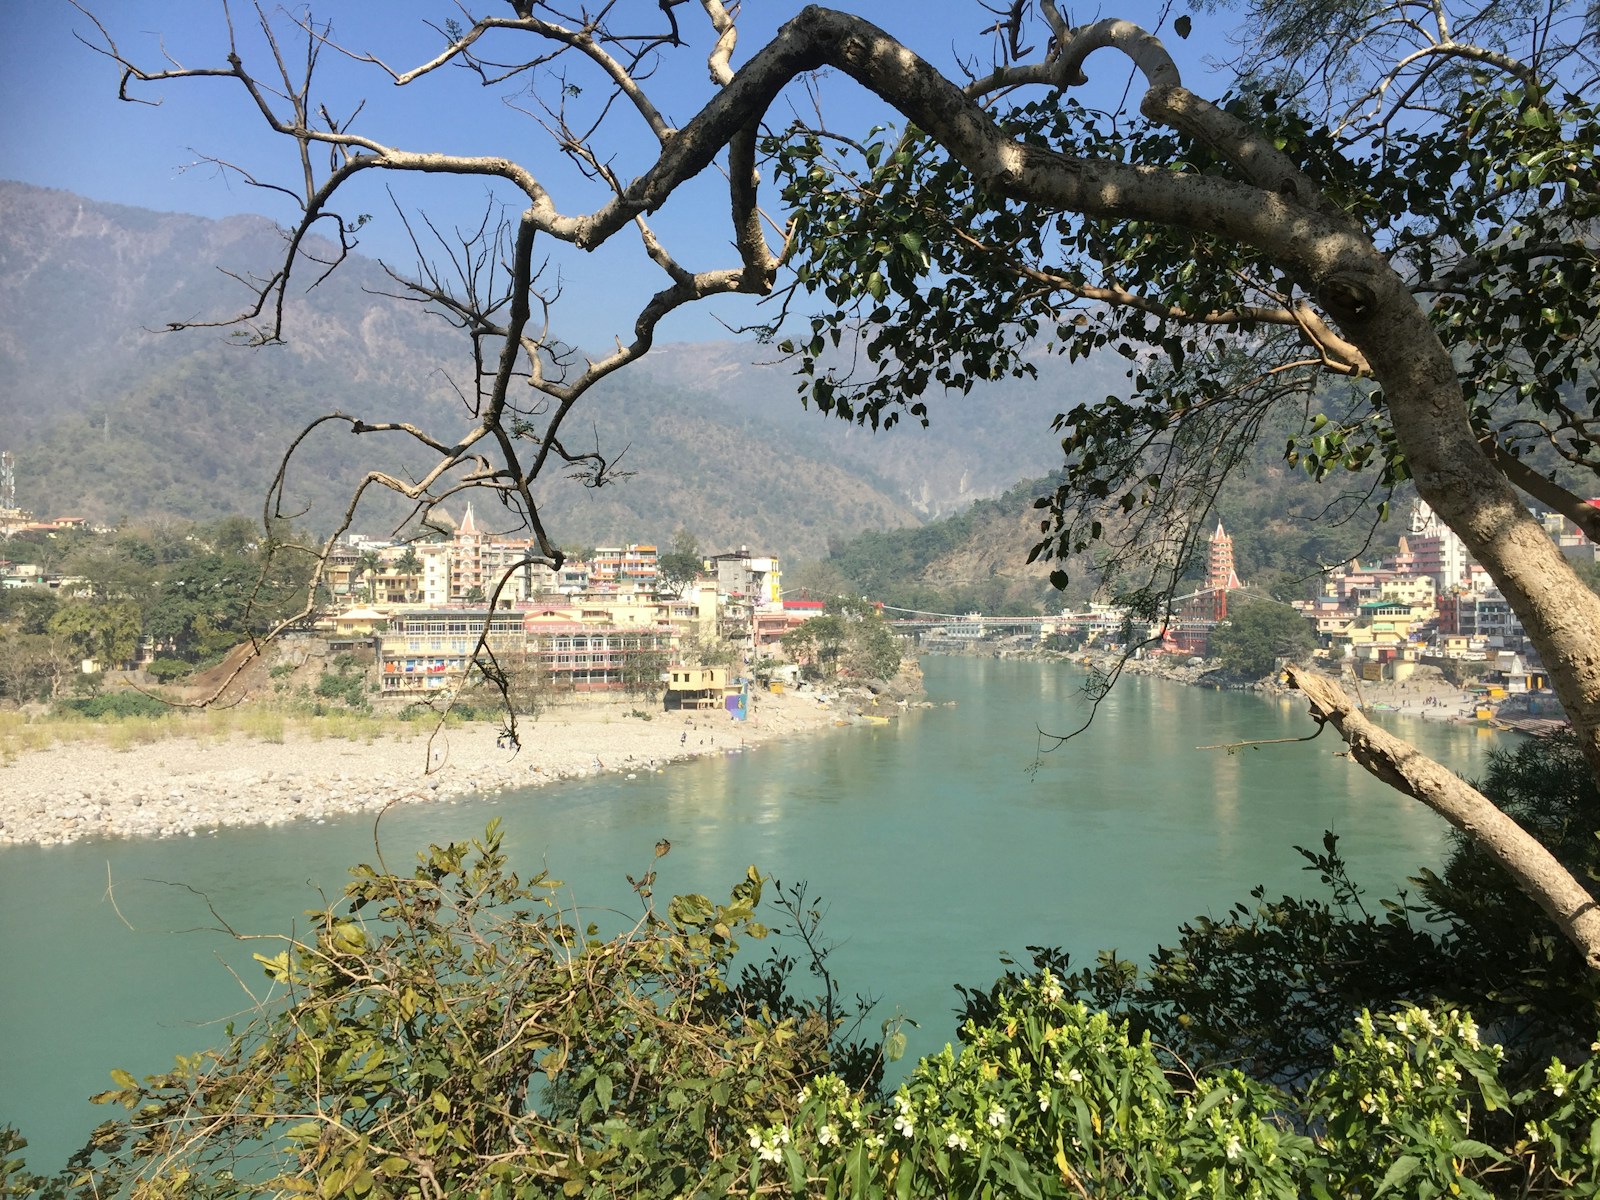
pixel 350 689
pixel 456 1017
pixel 164 670
pixel 115 706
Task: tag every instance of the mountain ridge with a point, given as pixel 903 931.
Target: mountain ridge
pixel 114 418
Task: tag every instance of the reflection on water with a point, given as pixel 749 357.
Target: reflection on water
pixel 931 842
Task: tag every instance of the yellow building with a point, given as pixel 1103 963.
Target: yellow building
pixel 699 687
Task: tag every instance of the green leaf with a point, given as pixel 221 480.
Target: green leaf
pixel 894 1046
pixel 1402 1169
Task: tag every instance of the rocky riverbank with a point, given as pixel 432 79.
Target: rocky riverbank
pixel 184 786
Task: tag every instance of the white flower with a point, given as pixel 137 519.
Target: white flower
pixel 958 1141
pixel 902 1102
pixel 997 1116
pixel 1049 989
pixel 904 1125
pixel 1234 1149
pixel 827 1136
pixel 769 1145
pixel 1044 1100
pixel 805 1094
pixel 1559 1090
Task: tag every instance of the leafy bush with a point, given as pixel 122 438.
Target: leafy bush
pixel 1053 1099
pixel 164 670
pixel 115 706
pixel 456 1018
pixel 350 689
pixel 1271 985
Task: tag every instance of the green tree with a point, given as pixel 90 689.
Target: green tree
pixel 203 604
pixel 371 566
pixel 105 632
pixel 410 565
pixel 682 564
pixel 817 643
pixel 850 637
pixel 1257 634
pixel 236 536
pixel 1240 254
pixel 28 609
pixel 114 569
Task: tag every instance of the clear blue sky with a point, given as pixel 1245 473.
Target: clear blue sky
pixel 64 127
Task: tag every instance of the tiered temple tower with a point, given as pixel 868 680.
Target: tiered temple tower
pixel 1221 578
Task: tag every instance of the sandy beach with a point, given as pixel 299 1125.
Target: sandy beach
pixel 183 786
pixel 1426 695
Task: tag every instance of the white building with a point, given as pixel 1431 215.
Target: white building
pixel 1436 550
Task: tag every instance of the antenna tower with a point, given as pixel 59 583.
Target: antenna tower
pixel 8 479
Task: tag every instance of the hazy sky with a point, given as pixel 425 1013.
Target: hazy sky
pixel 64 127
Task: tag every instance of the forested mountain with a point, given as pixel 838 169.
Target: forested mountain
pixel 112 417
pixel 1285 530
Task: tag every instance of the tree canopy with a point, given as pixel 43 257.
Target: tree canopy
pixel 1391 228
pixel 849 638
pixel 1257 635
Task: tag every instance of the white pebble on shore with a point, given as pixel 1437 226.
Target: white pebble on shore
pixel 182 785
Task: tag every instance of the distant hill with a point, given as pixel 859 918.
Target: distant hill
pixel 110 417
pixel 1285 530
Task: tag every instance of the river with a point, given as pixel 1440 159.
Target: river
pixel 931 844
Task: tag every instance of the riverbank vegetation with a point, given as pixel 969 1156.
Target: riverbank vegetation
pixel 20 733
pixel 194 590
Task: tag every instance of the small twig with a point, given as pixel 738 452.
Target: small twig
pixel 1235 747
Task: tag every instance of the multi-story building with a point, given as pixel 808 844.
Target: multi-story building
pixel 466 567
pixel 753 579
pixel 1190 632
pixel 1485 616
pixel 571 649
pixel 1436 550
pixel 1415 591
pixel 622 566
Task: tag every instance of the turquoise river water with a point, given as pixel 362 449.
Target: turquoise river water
pixel 930 843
